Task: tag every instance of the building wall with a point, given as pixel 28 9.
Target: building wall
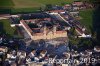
pixel 50 35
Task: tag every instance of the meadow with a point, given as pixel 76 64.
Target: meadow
pixel 31 3
pixel 26 6
pixel 6 28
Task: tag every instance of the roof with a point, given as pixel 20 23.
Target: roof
pixel 97 48
pixel 43 51
pixel 2 48
pixel 3 15
pixel 33 51
pixel 79 30
pixel 22 21
pixel 56 11
pixel 67 5
pixel 78 3
pixel 35 16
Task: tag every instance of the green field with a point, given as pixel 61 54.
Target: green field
pixel 6 3
pixel 30 3
pixel 26 6
pixel 87 18
pixel 6 28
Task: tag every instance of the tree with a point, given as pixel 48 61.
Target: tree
pixel 72 31
pixel 48 7
pixel 42 8
pixel 85 43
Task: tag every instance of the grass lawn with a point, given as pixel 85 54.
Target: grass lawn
pixel 87 18
pixel 5 25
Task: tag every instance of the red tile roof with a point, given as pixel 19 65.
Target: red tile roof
pixel 79 30
pixel 22 21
